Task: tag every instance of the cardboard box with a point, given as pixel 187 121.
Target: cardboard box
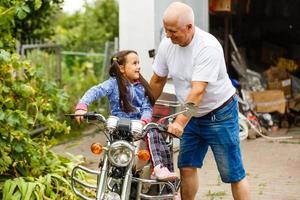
pixel 275 73
pixel 269 101
pixel 220 5
pixel 284 85
pixel 279 79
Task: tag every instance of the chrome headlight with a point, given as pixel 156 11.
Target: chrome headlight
pixel 121 153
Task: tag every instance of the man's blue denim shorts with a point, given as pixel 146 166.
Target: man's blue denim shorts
pixel 220 131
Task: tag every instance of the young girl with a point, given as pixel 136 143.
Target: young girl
pixel 130 97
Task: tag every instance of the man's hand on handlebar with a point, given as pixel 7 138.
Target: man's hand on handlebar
pixel 79 119
pixel 175 128
pixel 178 125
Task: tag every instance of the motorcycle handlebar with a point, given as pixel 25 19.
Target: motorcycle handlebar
pixel 159 127
pixel 99 117
pixel 88 116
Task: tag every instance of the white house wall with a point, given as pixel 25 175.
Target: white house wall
pixel 136 30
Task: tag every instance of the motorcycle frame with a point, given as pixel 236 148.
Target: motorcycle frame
pixel 102 180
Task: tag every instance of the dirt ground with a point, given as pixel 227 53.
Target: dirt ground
pixel 273 168
pixel 273 171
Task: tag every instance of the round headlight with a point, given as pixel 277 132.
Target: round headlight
pixel 121 153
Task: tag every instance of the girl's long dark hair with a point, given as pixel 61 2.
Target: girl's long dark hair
pixel 114 71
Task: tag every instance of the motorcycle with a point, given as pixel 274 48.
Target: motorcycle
pixel 125 168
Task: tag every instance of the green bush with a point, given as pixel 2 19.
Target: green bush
pixel 27 100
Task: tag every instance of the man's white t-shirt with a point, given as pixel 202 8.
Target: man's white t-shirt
pixel 201 60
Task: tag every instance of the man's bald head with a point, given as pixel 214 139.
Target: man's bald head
pixel 179 13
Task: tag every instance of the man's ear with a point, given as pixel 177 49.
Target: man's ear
pixel 122 69
pixel 190 26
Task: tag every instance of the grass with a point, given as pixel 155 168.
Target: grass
pixel 261 186
pixel 290 142
pixel 215 195
pixel 219 181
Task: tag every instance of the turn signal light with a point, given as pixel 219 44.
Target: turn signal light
pixel 143 155
pixel 96 148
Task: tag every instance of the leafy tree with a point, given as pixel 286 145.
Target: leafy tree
pixel 28 169
pixel 91 29
pixel 24 20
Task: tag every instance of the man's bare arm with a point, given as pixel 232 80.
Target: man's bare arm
pixel 157 84
pixel 195 96
pixel 197 91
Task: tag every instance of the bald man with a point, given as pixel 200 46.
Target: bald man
pixel 194 60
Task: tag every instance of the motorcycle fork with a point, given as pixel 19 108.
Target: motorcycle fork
pixel 127 183
pixel 102 178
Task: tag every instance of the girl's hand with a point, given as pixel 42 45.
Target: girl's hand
pixel 79 119
pixel 143 123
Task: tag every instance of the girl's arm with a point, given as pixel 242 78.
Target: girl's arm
pixel 94 93
pixel 146 111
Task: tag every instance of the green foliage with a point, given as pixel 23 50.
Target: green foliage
pixel 78 74
pixel 23 20
pixel 47 62
pixel 216 195
pixel 88 31
pixel 28 169
pixel 50 186
pixel 77 79
pixel 28 101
